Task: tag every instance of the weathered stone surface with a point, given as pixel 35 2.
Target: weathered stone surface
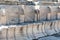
pixel 30 31
pixel 29 14
pixel 54 11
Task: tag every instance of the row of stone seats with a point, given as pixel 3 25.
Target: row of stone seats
pixel 29 2
pixel 33 0
pixel 8 0
pixel 17 0
pixel 29 31
pixel 23 14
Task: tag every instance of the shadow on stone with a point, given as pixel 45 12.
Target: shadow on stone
pixel 35 39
